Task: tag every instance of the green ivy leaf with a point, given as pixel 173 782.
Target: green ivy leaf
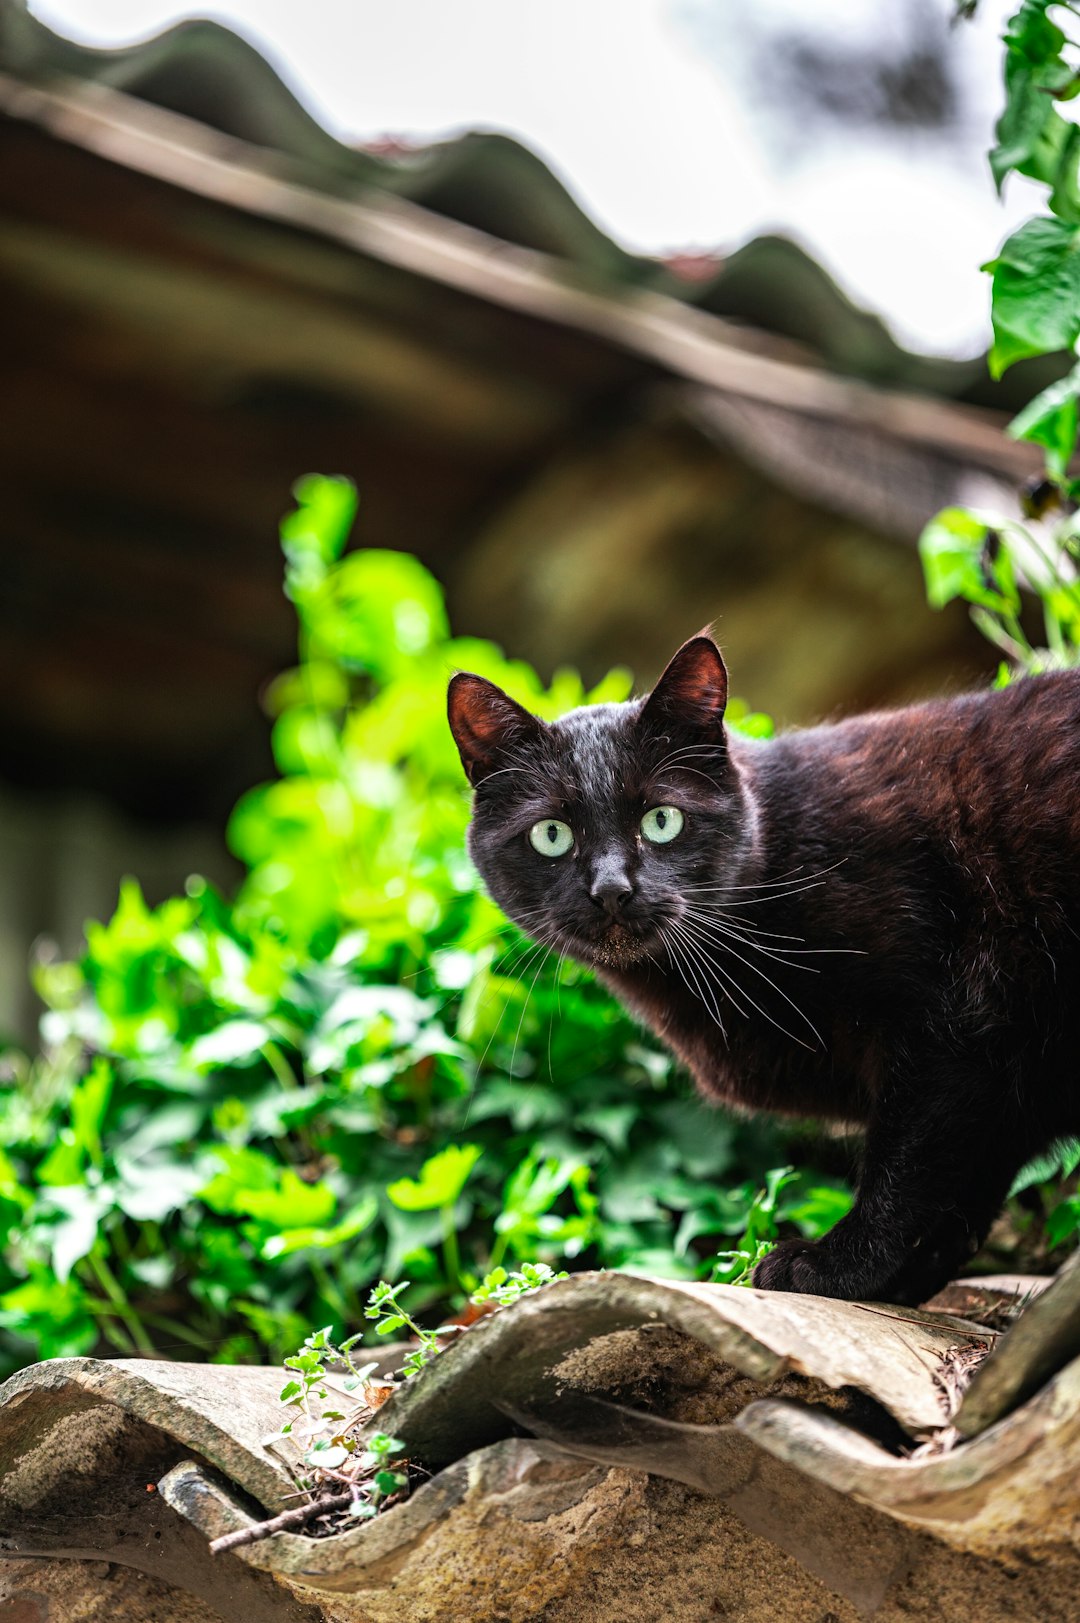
pixel 820 1209
pixel 229 1044
pixel 89 1104
pixel 1031 135
pixel 361 1217
pixel 77 1232
pixel 955 549
pixel 1051 420
pixel 1036 292
pixel 327 1455
pixel 253 1185
pixel 441 1180
pixel 1065 193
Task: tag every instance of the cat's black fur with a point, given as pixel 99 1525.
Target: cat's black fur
pixel 875 922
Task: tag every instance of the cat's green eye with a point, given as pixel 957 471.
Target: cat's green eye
pixel 551 838
pixel 662 824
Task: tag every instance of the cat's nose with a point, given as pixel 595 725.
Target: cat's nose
pixel 610 891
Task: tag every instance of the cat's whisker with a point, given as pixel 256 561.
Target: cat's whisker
pixel 721 933
pixel 752 935
pixel 759 901
pixel 546 948
pixel 680 964
pixel 525 960
pixel 558 1003
pixel 711 909
pixel 515 955
pixel 737 926
pixel 692 770
pixel 690 751
pixel 691 948
pixel 683 963
pixel 790 886
pixel 732 987
pixel 533 948
pixel 704 948
pixel 764 941
pixel 509 967
pixel 516 951
pixel 764 1012
pixel 503 770
pixel 476 944
pixel 756 969
pixel 793 876
pixel 541 953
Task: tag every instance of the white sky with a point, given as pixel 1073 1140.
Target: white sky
pixel 653 131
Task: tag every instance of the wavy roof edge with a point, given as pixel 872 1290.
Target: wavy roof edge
pixel 491 182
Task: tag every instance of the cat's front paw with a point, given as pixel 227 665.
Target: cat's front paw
pixel 805 1266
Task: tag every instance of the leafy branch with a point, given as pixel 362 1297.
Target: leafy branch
pixel 1035 304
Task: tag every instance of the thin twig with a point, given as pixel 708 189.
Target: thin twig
pixel 282 1524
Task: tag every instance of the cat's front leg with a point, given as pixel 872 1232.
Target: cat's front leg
pixel 930 1188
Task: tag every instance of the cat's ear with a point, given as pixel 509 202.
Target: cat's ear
pixel 485 723
pixel 693 690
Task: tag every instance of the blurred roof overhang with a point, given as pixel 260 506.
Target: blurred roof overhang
pixel 205 295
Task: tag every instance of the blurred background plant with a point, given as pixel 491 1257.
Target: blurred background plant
pixel 248 1109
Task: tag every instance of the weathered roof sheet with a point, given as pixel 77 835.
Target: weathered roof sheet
pixel 496 185
pixel 617 1377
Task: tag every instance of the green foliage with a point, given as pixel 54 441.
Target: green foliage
pixel 983 558
pixel 1048 1185
pixel 381 1451
pixel 249 1110
pixel 1043 1211
pixel 1036 280
pixel 1060 1161
pixel 497 1289
pixel 1051 421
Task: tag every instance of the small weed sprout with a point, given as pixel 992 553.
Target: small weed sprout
pixel 336 1458
pixel 384 1307
pixel 504 1288
pixel 309 1378
pixel 498 1288
pixel 385 1481
pixel 370 1469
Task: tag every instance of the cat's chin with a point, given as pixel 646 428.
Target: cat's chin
pixel 619 949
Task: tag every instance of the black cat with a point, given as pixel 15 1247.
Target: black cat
pixel 874 922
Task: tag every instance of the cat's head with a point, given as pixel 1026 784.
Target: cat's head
pixel 591 832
